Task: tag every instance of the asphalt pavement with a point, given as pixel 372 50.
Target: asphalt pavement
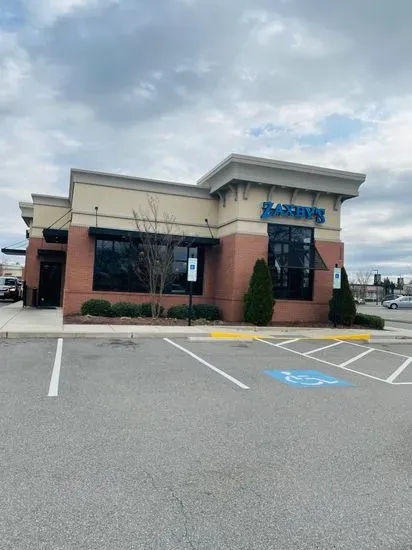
pixel 177 444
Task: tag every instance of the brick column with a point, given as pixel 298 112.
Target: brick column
pixel 236 259
pixel 79 269
pixel 332 253
pixel 32 267
pixel 209 274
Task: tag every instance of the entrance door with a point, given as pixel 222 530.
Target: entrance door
pixel 50 284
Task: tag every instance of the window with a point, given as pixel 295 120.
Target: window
pixel 291 258
pixel 114 268
pixel 7 282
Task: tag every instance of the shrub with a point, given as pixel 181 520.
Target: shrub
pixel 370 321
pixel 178 312
pixel 146 309
pixel 258 302
pixel 206 311
pixel 96 308
pixel 344 303
pixel 199 311
pixel 126 309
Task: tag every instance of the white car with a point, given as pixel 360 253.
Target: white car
pixel 401 302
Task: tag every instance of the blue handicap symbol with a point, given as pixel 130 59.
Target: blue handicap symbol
pixel 306 378
pixel 192 266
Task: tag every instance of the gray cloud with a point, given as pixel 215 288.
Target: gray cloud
pixel 105 55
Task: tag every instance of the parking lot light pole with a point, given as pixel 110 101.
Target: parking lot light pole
pixel 377 285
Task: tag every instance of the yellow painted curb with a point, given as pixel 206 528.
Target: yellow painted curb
pixel 348 337
pixel 249 336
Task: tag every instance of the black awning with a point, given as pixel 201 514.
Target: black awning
pixel 14 251
pixel 46 253
pixel 112 234
pixel 318 263
pixel 301 258
pixel 55 235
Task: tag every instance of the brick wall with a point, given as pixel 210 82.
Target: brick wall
pixel 332 253
pixel 318 309
pixel 79 277
pixel 228 268
pixel 31 273
pixel 234 266
pixel 32 265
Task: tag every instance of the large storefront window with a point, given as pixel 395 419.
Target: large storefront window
pixel 291 257
pixel 114 268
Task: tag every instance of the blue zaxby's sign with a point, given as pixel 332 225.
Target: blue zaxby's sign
pixel 269 210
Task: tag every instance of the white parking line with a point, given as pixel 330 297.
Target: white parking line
pixel 285 342
pixel 323 361
pixel 222 373
pixel 54 381
pixel 377 349
pixel 324 347
pixel 398 371
pixel 349 361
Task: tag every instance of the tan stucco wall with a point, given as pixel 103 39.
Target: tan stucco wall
pixel 44 216
pixel 116 208
pixel 243 216
pixel 234 215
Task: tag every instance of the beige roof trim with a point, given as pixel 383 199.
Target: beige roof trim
pixel 134 183
pixel 26 209
pixel 280 165
pixel 51 200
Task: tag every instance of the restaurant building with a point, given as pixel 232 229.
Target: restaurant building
pixel 245 208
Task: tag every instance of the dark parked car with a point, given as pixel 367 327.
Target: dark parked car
pixel 10 289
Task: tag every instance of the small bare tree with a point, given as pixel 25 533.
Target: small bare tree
pixel 363 279
pixel 153 256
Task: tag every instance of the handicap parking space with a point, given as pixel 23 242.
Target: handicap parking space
pixel 353 362
pixel 375 363
pixel 253 361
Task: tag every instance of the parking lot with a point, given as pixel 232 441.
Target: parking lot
pixel 396 315
pixel 175 444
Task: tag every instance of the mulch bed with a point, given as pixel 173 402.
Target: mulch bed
pixel 166 322
pixel 160 321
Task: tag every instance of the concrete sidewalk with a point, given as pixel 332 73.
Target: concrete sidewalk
pixel 19 322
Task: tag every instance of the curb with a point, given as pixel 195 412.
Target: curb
pixel 248 336
pixel 345 337
pixel 91 335
pixel 398 341
pixel 236 336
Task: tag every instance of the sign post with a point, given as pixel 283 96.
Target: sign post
pixel 337 285
pixel 192 278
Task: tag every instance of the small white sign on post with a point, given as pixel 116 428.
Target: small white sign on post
pixel 337 278
pixel 192 270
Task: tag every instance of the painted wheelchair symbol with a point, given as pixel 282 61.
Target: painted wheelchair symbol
pixel 305 380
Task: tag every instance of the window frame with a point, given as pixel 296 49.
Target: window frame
pixel 133 285
pixel 291 282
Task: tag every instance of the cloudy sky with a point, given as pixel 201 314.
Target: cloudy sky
pixel 167 88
